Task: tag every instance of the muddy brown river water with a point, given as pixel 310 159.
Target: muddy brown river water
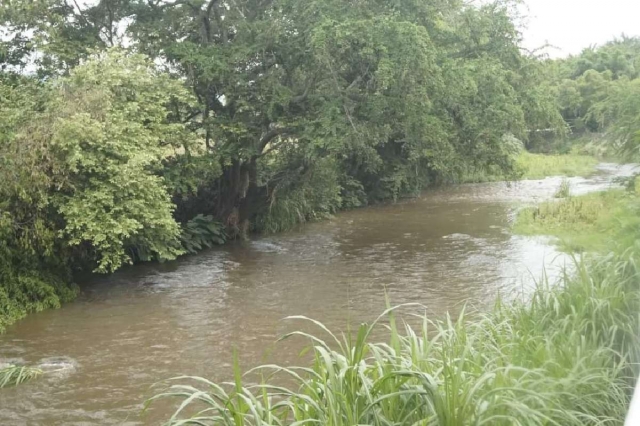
pixel 129 330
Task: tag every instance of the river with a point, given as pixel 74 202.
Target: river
pixel 125 332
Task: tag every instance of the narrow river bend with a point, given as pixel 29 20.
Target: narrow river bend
pixel 126 331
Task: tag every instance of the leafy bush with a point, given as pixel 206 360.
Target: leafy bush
pixel 200 232
pixel 109 128
pixel 78 163
pixel 30 279
pixel 597 145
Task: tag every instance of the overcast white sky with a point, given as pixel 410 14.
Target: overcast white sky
pixel 572 25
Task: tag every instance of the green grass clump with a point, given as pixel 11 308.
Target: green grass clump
pixel 538 166
pixel 564 189
pixel 565 357
pixel 592 222
pixel 13 375
pixel 531 166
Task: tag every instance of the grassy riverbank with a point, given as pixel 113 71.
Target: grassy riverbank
pixel 592 222
pixel 539 166
pixel 535 166
pixel 563 357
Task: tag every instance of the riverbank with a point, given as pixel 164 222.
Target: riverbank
pixel 540 166
pixel 530 166
pixel 594 222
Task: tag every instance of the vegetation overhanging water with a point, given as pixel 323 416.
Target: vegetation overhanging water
pixel 135 132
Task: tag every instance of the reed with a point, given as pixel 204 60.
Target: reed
pixel 13 375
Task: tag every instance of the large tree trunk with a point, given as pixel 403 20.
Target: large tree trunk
pixel 240 197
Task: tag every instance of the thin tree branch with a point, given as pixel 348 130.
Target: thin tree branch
pixel 270 135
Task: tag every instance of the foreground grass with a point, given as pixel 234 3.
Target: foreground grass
pixel 538 166
pixel 565 357
pixel 592 222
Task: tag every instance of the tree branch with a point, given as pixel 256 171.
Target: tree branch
pixel 271 135
pixel 191 116
pixel 79 13
pixel 210 6
pixel 271 149
pixel 175 3
pixel 206 20
pixel 354 83
pixel 302 97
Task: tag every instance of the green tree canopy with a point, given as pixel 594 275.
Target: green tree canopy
pixel 87 159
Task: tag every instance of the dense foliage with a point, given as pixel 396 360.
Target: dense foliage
pixel 598 91
pixel 384 97
pixel 80 187
pixel 135 130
